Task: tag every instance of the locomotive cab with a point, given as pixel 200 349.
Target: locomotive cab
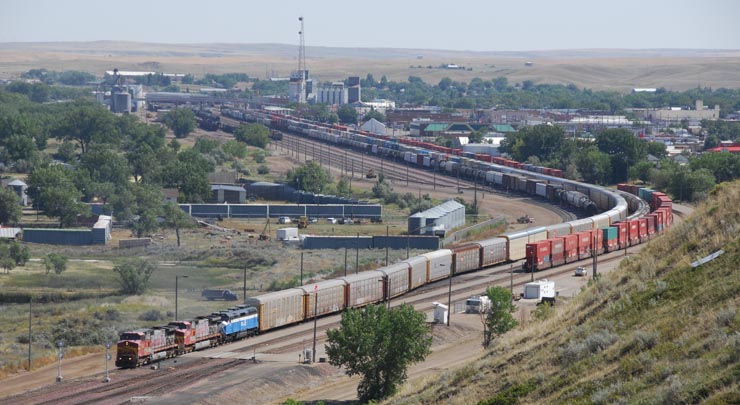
pixel 127 350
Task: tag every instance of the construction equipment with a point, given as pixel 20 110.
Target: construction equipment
pixel 371 174
pixel 303 222
pixel 265 235
pixel 526 219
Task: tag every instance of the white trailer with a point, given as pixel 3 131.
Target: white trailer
pixel 540 289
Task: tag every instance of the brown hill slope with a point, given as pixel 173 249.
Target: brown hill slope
pixel 610 69
pixel 654 331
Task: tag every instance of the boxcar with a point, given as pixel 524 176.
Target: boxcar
pixel 330 295
pixel 397 278
pixel 364 288
pixel 278 308
pixel 439 264
pixel 493 251
pixel 466 258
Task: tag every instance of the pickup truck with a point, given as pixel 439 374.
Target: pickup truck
pixel 225 295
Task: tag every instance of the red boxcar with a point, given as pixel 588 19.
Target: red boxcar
pixel 570 253
pixel 652 220
pixel 538 255
pixel 557 251
pixel 658 221
pixel 584 244
pixel 634 232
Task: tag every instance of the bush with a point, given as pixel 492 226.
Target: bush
pixel 151 315
pixel 263 169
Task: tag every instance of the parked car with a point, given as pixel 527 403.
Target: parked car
pixel 581 271
pixel 284 220
pixel 331 220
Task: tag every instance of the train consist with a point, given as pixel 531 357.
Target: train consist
pixel 627 216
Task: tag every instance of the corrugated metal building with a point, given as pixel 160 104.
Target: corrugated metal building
pixel 231 194
pixel 437 220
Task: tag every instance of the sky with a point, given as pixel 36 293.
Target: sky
pixel 472 25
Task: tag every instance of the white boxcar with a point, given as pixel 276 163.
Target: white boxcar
pixel 517 241
pixel 364 288
pixel 493 251
pixel 279 308
pixel 467 258
pixel 397 278
pixel 330 295
pixel 541 190
pixel 440 264
pixel 601 221
pixel 418 266
pixel 580 225
pixel 558 230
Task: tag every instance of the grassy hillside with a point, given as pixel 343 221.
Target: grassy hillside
pixel 654 331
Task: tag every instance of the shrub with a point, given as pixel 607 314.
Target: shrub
pixel 263 169
pixel 151 315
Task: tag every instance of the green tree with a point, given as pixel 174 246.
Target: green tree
pixel 624 149
pixel 379 345
pixel 498 319
pixel 10 207
pixel 641 171
pixel 175 218
pixel 477 136
pixel 133 275
pixel 310 177
pixel 55 262
pixel 256 135
pixel 181 121
pixel 19 253
pixel 657 149
pixel 374 114
pixel 347 114
pixel 594 166
pixel 87 123
pixel 343 187
pixel 63 203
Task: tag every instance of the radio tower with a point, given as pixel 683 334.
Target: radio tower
pixel 299 78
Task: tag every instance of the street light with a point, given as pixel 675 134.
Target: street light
pixel 60 345
pixel 176 280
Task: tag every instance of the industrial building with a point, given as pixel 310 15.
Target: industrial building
pixel 437 220
pixel 333 94
pixel 676 115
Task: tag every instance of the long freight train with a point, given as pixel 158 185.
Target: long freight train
pixel 629 216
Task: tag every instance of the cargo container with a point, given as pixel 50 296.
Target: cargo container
pixel 659 225
pixel 538 255
pixel 397 278
pixel 623 235
pixel 643 230
pixel 492 251
pixel 610 237
pixel 651 224
pixel 329 295
pixel 466 258
pixel 557 251
pixel 634 232
pixel 439 265
pixel 584 244
pixel 279 308
pixel 570 248
pixel 364 288
pixel 646 194
pixel 597 241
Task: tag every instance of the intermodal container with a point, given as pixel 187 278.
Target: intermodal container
pixel 623 234
pixel 538 255
pixel 634 232
pixel 643 230
pixel 584 244
pixel 610 236
pixel 655 202
pixel 570 248
pixel 651 223
pixel 659 220
pixel 597 241
pixel 557 251
pixel 646 194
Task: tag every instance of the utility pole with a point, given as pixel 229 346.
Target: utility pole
pixel 594 254
pixel 301 268
pixel 449 300
pixel 357 254
pixel 244 286
pixel 345 261
pixel 386 244
pixel 315 316
pixel 30 314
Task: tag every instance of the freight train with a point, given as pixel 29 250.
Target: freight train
pixel 629 215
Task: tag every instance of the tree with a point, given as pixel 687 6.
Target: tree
pixel 256 135
pixel 10 207
pixel 343 188
pixel 87 123
pixel 134 274
pixel 64 203
pixel 657 149
pixel 594 166
pixel 374 114
pixel 19 253
pixel 310 177
pixel 175 218
pixel 55 262
pixel 498 319
pixel 624 149
pixel 347 114
pixel 379 344
pixel 477 136
pixel 181 121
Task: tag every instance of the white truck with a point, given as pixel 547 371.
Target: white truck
pixel 477 304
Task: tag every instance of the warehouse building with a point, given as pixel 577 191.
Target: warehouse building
pixel 437 220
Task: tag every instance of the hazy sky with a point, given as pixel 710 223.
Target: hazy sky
pixel 482 25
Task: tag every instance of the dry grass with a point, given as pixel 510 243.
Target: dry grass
pixel 654 331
